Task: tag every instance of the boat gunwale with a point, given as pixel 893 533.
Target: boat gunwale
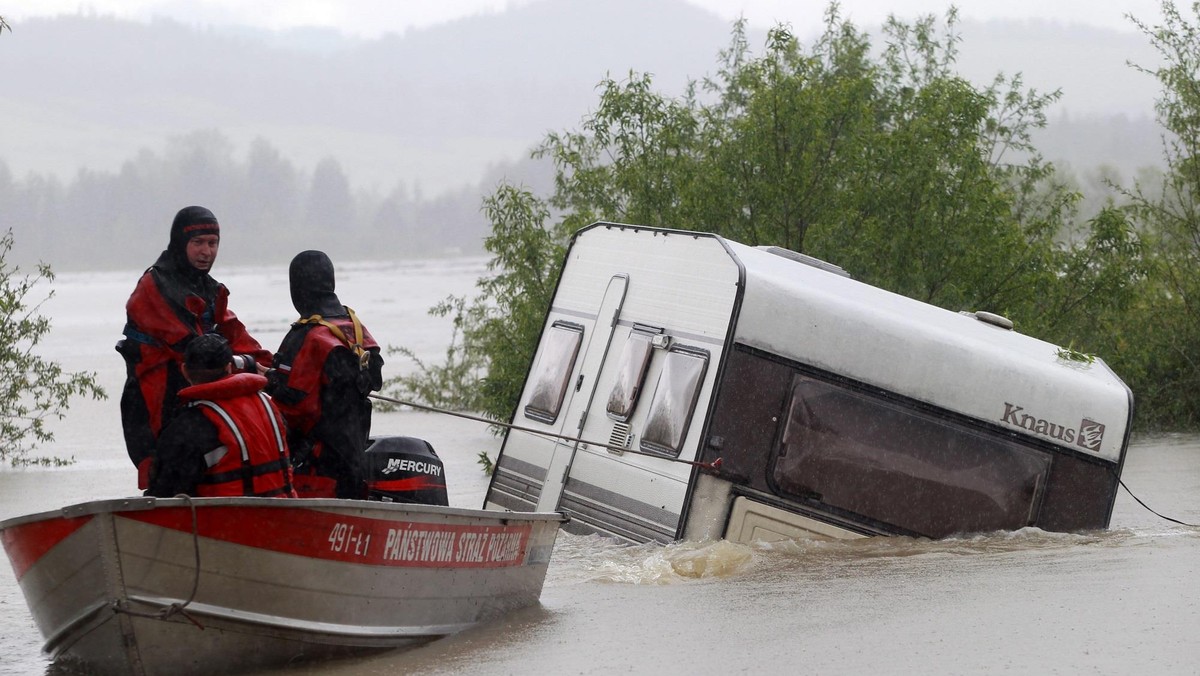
pixel 141 503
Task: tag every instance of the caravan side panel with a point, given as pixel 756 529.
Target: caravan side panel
pixel 877 413
pixel 874 462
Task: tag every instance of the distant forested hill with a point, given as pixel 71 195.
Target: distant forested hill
pixel 384 147
pixel 424 105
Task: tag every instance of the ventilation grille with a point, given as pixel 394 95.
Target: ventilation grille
pixel 619 438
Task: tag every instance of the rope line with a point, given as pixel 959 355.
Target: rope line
pixel 1161 516
pixel 122 606
pixel 714 465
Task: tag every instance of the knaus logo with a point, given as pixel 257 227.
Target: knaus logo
pixel 1089 435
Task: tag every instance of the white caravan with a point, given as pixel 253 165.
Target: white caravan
pixel 690 387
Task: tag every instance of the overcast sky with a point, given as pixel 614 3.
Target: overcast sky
pixel 370 18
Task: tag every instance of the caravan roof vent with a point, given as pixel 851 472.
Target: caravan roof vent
pixel 804 258
pixel 994 319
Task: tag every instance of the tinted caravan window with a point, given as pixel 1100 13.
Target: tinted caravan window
pixel 904 467
pixel 674 399
pixel 552 373
pixel 631 373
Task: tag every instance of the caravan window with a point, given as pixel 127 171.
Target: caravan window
pixel 888 461
pixel 674 399
pixel 552 374
pixel 631 373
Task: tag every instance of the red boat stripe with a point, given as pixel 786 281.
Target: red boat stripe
pixel 339 537
pixel 28 542
pixel 416 483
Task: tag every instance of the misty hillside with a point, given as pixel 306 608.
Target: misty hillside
pixel 433 106
pixel 1106 113
pixel 396 139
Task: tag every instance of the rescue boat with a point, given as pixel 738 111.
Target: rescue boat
pixel 191 586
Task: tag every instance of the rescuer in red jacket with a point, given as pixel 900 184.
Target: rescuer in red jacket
pixel 228 439
pixel 175 300
pixel 324 369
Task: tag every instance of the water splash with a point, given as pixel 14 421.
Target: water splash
pixel 597 559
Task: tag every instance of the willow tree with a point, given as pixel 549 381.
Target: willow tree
pixel 884 161
pixel 33 389
pixel 1163 341
pixel 496 331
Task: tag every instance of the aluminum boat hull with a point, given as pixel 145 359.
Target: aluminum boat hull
pixel 147 586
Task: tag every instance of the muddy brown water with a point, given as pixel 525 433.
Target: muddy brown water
pixel 1125 600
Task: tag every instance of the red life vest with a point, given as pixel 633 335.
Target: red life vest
pixel 306 371
pixel 253 457
pixel 303 384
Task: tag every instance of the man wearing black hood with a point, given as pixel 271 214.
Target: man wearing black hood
pixel 324 369
pixel 174 301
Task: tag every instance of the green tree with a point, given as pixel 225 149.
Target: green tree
pixel 885 162
pixel 33 389
pixel 496 333
pixel 1164 334
pixel 892 166
pixel 1098 292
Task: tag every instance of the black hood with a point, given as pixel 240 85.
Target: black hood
pixel 172 263
pixel 188 223
pixel 312 283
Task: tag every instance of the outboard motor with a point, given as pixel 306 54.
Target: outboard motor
pixel 405 469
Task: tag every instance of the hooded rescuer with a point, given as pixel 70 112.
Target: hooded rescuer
pixel 175 301
pixel 325 369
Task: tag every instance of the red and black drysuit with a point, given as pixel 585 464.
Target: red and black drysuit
pixel 172 303
pixel 323 371
pixel 228 439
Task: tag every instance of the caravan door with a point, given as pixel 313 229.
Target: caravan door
pixel 583 390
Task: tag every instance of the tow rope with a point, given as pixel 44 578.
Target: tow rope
pixel 713 466
pixel 177 608
pixel 1161 516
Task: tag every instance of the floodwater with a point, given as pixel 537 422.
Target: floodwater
pixel 1125 600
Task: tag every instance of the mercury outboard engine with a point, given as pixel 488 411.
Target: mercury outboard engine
pixel 405 469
